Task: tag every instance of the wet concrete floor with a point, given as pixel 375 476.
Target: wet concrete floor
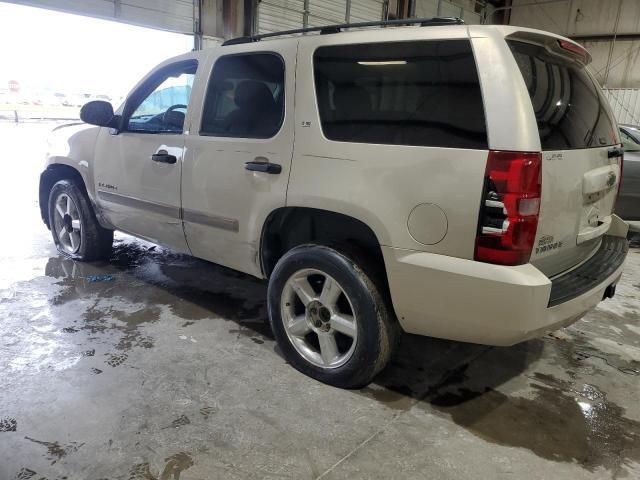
pixel 160 366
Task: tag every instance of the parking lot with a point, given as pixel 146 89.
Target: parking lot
pixel 161 366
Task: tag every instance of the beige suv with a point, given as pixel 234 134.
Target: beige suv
pixel 441 179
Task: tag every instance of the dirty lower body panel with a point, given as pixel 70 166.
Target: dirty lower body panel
pixel 156 365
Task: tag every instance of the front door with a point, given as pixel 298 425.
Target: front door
pixel 137 170
pixel 238 155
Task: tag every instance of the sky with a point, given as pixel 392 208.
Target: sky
pixel 53 51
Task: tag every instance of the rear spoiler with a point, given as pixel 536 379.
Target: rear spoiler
pixel 554 43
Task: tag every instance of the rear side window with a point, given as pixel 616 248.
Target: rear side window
pixel 245 97
pixel 569 109
pixel 423 93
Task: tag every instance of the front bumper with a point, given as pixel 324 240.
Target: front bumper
pixel 470 301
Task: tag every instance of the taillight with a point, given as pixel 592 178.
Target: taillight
pixel 510 207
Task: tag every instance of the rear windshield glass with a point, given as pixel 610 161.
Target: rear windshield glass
pixel 568 106
pixel 402 93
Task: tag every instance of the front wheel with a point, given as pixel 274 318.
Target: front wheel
pixel 329 317
pixel 74 227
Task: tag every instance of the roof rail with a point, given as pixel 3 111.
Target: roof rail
pixel 328 29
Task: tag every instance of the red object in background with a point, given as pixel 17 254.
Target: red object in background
pixel 14 86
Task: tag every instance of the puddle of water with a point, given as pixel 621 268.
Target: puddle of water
pixel 552 425
pixel 559 420
pixel 161 277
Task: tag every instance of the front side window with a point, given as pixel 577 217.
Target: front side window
pixel 423 93
pixel 161 105
pixel 245 97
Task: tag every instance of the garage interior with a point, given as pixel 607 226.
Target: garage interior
pixel 158 366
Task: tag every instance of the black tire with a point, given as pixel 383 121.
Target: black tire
pixel 96 242
pixel 377 328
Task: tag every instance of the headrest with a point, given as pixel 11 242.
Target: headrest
pixel 174 119
pixel 251 93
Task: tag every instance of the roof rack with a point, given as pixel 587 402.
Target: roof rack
pixel 328 29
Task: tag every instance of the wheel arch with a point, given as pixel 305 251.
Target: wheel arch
pixel 288 227
pixel 53 174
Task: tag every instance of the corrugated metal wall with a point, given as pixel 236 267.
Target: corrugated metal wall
pixel 445 8
pixel 625 103
pixel 278 15
pixel 366 10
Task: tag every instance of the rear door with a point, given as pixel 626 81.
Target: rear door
pixel 579 140
pixel 238 155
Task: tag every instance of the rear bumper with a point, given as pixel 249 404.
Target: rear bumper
pixel 477 302
pixel 605 262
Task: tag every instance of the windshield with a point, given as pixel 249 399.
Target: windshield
pixel 569 108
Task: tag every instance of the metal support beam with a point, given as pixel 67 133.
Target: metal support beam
pixel 613 44
pixel 305 14
pixel 249 16
pixel 197 24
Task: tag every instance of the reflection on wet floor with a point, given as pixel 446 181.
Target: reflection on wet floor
pixel 565 420
pixel 149 279
pixel 559 420
pixel 156 365
pixel 191 288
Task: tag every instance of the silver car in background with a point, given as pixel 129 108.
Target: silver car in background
pixel 628 205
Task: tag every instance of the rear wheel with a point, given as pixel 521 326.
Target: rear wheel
pixel 329 317
pixel 74 227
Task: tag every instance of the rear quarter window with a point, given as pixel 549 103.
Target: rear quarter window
pixel 570 111
pixel 424 93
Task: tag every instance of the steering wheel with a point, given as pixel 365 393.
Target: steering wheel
pixel 175 107
pixel 173 118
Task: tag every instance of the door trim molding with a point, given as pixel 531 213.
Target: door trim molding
pixel 215 221
pixel 133 202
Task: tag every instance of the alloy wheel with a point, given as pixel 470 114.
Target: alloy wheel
pixel 319 318
pixel 67 223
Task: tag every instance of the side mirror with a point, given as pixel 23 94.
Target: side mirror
pixel 97 112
